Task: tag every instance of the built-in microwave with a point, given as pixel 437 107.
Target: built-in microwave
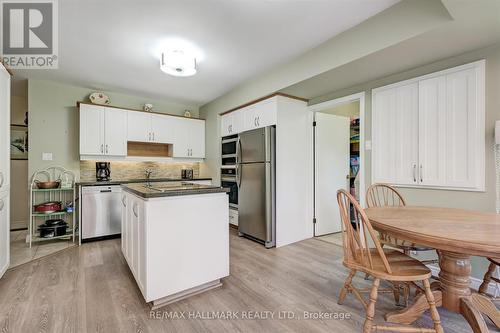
pixel 229 145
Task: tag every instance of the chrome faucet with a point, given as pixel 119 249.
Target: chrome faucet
pixel 148 173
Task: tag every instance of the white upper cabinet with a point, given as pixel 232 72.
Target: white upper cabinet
pixel 162 128
pixel 189 141
pixel 231 123
pixel 146 127
pixel 115 132
pixel 103 131
pixel 429 131
pixel 260 114
pixel 139 127
pixel 91 129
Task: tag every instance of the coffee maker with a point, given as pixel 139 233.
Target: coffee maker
pixel 102 171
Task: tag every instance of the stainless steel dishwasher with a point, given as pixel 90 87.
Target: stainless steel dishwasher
pixel 101 211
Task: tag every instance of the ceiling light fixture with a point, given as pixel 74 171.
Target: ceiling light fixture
pixel 178 63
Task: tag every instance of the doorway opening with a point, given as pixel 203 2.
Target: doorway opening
pixel 338 160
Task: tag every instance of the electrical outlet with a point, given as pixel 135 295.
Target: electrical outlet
pixel 46 156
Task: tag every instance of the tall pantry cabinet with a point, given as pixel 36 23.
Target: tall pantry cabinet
pixel 4 169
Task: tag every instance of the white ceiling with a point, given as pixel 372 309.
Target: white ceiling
pixel 109 45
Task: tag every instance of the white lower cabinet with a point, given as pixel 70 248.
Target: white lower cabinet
pixel 233 217
pixel 429 131
pixel 133 237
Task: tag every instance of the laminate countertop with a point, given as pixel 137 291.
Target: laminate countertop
pixel 169 189
pixel 129 181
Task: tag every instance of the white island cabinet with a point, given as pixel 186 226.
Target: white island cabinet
pixel 175 238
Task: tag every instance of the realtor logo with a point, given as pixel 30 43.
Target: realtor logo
pixel 29 33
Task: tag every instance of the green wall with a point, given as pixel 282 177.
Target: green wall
pixel 53 120
pixel 483 201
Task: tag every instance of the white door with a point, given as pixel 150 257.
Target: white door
pixel 332 153
pixel 4 232
pixel 115 132
pixel 432 131
pixel 91 129
pixel 162 128
pixel 197 139
pixel 139 127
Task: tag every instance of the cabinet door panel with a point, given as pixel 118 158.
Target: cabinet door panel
pixel 4 232
pixel 91 129
pixel 139 127
pixel 115 132
pixel 124 225
pixel 162 128
pixel 462 125
pixel 432 131
pixel 197 139
pixel 4 129
pixel 384 136
pixel 226 124
pixel 249 118
pixel 181 140
pixel 406 135
pixel 265 113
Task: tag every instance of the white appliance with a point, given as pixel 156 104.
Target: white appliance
pixel 101 211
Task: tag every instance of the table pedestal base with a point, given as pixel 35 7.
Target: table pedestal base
pixel 454 295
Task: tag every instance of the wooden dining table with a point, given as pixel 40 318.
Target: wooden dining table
pixel 456 234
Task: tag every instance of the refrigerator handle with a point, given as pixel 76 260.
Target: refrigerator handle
pixel 238 150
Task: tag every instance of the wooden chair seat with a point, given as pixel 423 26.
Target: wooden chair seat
pixel 402 244
pixel 404 268
pixel 496 261
pixel 382 264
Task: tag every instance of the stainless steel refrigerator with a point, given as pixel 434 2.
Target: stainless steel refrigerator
pixel 256 174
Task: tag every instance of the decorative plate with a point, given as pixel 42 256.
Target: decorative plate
pixel 99 98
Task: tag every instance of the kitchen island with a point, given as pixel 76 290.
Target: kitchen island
pixel 175 238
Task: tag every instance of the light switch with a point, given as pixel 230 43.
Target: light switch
pixel 368 145
pixel 46 156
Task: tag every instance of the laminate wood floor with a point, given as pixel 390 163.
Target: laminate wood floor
pixel 90 289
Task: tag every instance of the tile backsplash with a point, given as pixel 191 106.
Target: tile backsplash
pixel 135 170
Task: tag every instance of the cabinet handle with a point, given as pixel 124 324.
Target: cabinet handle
pixel 421 174
pixel 414 173
pixel 2 204
pixel 258 121
pixel 255 121
pixel 2 179
pixel 149 136
pixel 106 149
pixel 102 149
pixel 124 202
pixel 134 210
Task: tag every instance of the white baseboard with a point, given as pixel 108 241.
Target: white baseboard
pixel 22 224
pixel 474 282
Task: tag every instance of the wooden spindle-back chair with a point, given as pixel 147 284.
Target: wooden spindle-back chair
pixel 380 263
